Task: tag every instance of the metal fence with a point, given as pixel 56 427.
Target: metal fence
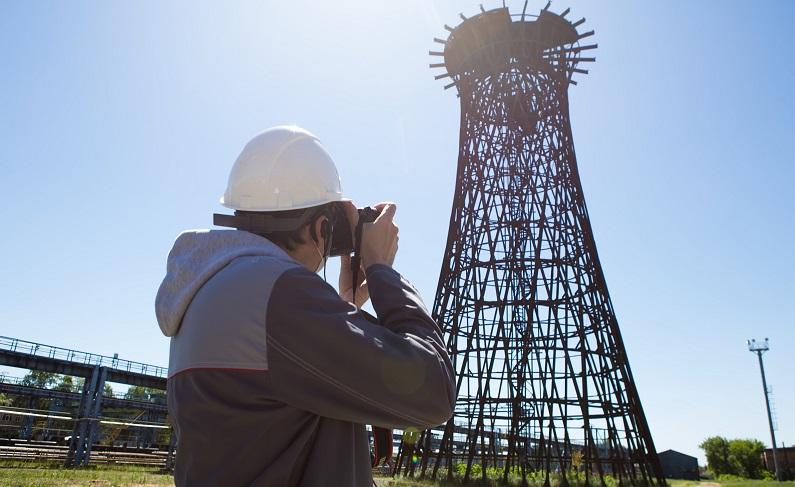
pixel 76 356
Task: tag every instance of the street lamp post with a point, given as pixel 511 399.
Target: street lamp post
pixel 759 348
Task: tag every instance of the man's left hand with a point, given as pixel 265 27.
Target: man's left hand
pixel 346 286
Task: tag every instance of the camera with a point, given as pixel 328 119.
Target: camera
pixel 343 235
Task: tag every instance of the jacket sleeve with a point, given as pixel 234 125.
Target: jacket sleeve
pixel 326 357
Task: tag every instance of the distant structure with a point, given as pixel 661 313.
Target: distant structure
pixel 785 459
pixel 90 423
pixel 544 383
pixel 677 465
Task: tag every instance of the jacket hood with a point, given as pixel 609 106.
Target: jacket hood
pixel 197 256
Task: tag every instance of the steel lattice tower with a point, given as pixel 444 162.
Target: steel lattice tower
pixel 544 385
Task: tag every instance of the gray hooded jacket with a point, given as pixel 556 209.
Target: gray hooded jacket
pixel 272 376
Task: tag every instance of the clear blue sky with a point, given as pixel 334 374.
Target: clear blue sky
pixel 119 122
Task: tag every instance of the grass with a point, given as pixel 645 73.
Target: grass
pixel 401 482
pixel 41 474
pixel 754 483
pixel 36 474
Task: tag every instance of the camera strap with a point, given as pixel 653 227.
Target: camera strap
pixel 260 223
pixel 366 215
pixel 356 259
pixel 382 446
pixel 382 437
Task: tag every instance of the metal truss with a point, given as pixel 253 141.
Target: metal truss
pixel 545 389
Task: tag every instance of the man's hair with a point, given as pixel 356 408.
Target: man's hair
pixel 289 240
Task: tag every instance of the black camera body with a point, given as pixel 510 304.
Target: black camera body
pixel 343 235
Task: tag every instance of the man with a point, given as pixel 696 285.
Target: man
pixel 272 374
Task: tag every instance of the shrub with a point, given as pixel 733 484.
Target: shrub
pixel 733 459
pixel 716 449
pixel 745 457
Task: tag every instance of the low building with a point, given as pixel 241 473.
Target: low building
pixel 677 465
pixel 786 462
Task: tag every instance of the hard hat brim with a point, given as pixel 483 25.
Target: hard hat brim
pixel 309 204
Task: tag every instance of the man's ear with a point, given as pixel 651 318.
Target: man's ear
pixel 319 228
pixel 323 230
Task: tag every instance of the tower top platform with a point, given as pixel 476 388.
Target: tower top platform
pixel 495 41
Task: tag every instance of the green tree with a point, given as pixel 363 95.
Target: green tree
pixel 5 400
pixel 37 378
pixel 66 384
pixel 107 390
pixel 745 457
pixel 137 393
pixel 140 393
pixel 716 449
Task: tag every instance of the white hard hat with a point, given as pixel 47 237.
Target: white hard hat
pixel 283 168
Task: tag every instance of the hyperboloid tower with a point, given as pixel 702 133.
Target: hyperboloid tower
pixel 545 389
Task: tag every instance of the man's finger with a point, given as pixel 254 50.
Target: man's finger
pixel 380 206
pixel 387 212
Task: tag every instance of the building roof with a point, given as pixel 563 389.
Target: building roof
pixel 674 452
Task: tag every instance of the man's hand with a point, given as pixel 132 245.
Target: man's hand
pixel 346 286
pixel 379 246
pixel 346 277
pixel 380 238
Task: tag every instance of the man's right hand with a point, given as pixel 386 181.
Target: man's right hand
pixel 380 238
